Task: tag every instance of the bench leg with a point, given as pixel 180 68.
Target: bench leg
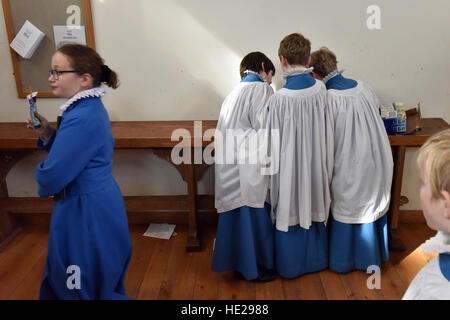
pixel 193 240
pixel 395 243
pixel 9 227
pixel 187 172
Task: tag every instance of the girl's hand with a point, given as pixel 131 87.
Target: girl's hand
pixel 45 131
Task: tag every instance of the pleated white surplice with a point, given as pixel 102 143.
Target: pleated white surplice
pixel 299 190
pixel 238 183
pixel 363 165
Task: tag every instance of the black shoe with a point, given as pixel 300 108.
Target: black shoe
pixel 265 275
pixel 238 275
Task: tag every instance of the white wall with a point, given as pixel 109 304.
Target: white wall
pixel 177 60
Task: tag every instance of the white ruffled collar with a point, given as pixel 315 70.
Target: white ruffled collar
pixel 332 75
pixel 256 74
pixel 440 243
pixel 94 92
pixel 297 71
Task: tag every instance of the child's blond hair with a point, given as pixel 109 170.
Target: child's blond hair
pixel 434 159
pixel 324 61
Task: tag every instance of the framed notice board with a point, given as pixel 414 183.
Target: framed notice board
pixel 44 14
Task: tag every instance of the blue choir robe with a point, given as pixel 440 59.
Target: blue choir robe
pixel 89 227
pixel 244 238
pixel 299 188
pixel 433 281
pixel 362 176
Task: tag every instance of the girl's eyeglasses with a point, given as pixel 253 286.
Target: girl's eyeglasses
pixel 57 73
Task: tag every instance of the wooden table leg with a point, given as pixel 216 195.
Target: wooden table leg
pixel 187 171
pixel 395 243
pixel 9 227
pixel 193 240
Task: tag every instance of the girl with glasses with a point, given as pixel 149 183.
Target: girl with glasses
pixel 89 245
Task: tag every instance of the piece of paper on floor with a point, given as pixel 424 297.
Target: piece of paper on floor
pixel 160 230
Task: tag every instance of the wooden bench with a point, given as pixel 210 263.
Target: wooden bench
pixel 16 142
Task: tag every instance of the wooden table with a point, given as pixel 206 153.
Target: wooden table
pixel 16 141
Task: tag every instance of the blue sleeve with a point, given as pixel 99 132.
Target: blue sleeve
pixel 46 145
pixel 73 146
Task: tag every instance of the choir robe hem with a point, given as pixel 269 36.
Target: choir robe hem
pixel 237 204
pixel 351 220
pixel 357 246
pixel 244 241
pixel 294 222
pixel 311 269
pixel 300 251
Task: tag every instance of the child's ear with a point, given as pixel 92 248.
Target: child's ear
pixel 87 80
pixel 262 67
pixel 309 62
pixel 446 196
pixel 316 76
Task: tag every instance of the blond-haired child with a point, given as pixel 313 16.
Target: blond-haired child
pixel 433 281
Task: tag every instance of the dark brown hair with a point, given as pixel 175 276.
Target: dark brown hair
pixel 84 59
pixel 324 61
pixel 253 61
pixel 295 48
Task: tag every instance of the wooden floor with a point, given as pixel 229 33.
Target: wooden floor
pixel 161 269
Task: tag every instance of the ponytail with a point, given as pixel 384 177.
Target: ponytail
pixel 109 77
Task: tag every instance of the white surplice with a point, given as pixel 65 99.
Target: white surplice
pixel 299 191
pixel 241 116
pixel 363 165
